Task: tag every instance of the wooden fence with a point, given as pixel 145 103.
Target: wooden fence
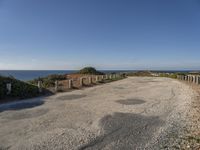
pixel 190 78
pixel 76 83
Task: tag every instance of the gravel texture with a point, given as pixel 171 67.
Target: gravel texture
pixel 134 113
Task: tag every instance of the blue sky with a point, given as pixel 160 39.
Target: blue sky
pixel 106 34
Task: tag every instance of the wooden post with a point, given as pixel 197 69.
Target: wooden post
pixel 70 84
pixel 106 77
pixel 97 78
pixel 56 86
pixel 81 82
pixel 40 86
pixel 102 77
pixel 90 80
pixel 9 88
pixel 197 79
pixel 194 79
pixel 185 78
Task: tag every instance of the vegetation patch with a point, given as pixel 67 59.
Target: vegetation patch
pixel 48 81
pixel 140 73
pixel 90 70
pixel 19 89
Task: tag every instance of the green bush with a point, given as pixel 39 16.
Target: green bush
pixel 48 81
pixel 20 89
pixel 171 75
pixel 140 74
pixel 90 70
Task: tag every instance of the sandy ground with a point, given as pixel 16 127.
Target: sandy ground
pixel 134 113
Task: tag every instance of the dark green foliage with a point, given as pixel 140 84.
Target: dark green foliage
pixel 140 73
pixel 20 89
pixel 48 81
pixel 90 70
pixel 181 73
pixel 172 75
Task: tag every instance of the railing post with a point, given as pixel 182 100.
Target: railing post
pixel 40 86
pixel 56 86
pixel 9 88
pixel 97 78
pixel 197 79
pixel 106 77
pixel 185 78
pixel 70 84
pixel 194 79
pixel 81 82
pixel 90 80
pixel 102 77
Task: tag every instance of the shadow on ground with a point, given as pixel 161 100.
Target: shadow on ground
pixel 125 131
pixel 21 105
pixel 71 97
pixel 131 101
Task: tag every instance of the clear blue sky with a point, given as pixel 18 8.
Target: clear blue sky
pixel 106 34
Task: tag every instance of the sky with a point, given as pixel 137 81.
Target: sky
pixel 106 34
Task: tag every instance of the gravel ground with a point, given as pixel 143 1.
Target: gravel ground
pixel 134 113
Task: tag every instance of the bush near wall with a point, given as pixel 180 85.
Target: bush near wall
pixel 48 81
pixel 20 89
pixel 172 75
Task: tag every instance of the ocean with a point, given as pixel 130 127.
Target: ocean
pixel 26 75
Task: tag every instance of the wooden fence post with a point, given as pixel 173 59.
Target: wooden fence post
pixel 185 78
pixel 90 80
pixel 97 78
pixel 197 80
pixel 106 77
pixel 70 84
pixel 102 77
pixel 9 88
pixel 81 82
pixel 40 86
pixel 56 86
pixel 194 79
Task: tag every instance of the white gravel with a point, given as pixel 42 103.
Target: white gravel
pixel 134 113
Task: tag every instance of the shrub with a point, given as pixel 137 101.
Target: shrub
pixel 48 81
pixel 90 70
pixel 140 73
pixel 20 89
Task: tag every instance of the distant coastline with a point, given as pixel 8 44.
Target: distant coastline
pixel 26 75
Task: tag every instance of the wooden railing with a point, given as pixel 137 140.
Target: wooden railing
pixel 190 78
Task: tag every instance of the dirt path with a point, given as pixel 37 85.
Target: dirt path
pixel 134 113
